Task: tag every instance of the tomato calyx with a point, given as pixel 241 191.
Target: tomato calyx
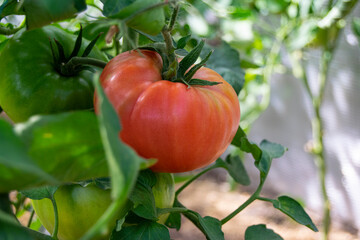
pixel 73 64
pixel 182 71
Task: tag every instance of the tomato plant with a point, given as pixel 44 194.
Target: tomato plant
pixel 169 120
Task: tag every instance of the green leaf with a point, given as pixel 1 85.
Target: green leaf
pixel 260 232
pixel 241 141
pixel 43 12
pixel 11 7
pixel 147 230
pixel 182 42
pixel 294 210
pixel 122 161
pixel 5 204
pixel 10 228
pixel 112 7
pixel 142 196
pixel 235 167
pixel 41 193
pixel 225 60
pixel 211 226
pixel 274 150
pixel 174 221
pixel 17 169
pixel 269 151
pixel 78 133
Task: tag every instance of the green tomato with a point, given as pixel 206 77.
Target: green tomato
pixel 80 207
pixel 29 82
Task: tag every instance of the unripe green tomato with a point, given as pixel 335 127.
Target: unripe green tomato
pixel 80 207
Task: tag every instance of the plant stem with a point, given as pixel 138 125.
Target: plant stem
pixel 170 49
pixel 318 130
pixel 173 17
pixel 56 220
pixel 31 218
pixel 251 199
pixel 8 31
pixel 75 61
pixel 194 178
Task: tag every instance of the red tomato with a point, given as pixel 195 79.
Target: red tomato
pixel 184 128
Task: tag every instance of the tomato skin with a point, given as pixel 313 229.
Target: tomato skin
pixel 80 207
pixel 184 128
pixel 29 82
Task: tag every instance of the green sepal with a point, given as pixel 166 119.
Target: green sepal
pixel 202 82
pixel 61 51
pixel 77 45
pixel 193 70
pixel 55 58
pixel 189 59
pixel 91 46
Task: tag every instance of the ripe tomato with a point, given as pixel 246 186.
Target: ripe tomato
pixel 184 128
pixel 80 207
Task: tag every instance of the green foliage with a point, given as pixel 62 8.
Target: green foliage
pixel 235 167
pixel 294 210
pixel 41 193
pixel 44 12
pixel 147 230
pixel 225 60
pixel 260 231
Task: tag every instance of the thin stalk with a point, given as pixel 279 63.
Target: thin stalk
pixel 318 130
pixel 75 61
pixel 56 220
pixel 9 31
pixel 194 178
pixel 31 218
pixel 170 49
pixel 251 199
pixel 173 17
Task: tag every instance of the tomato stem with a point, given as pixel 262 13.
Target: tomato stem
pixel 9 31
pixel 71 67
pixel 173 17
pixel 251 199
pixel 56 220
pixel 31 218
pixel 194 178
